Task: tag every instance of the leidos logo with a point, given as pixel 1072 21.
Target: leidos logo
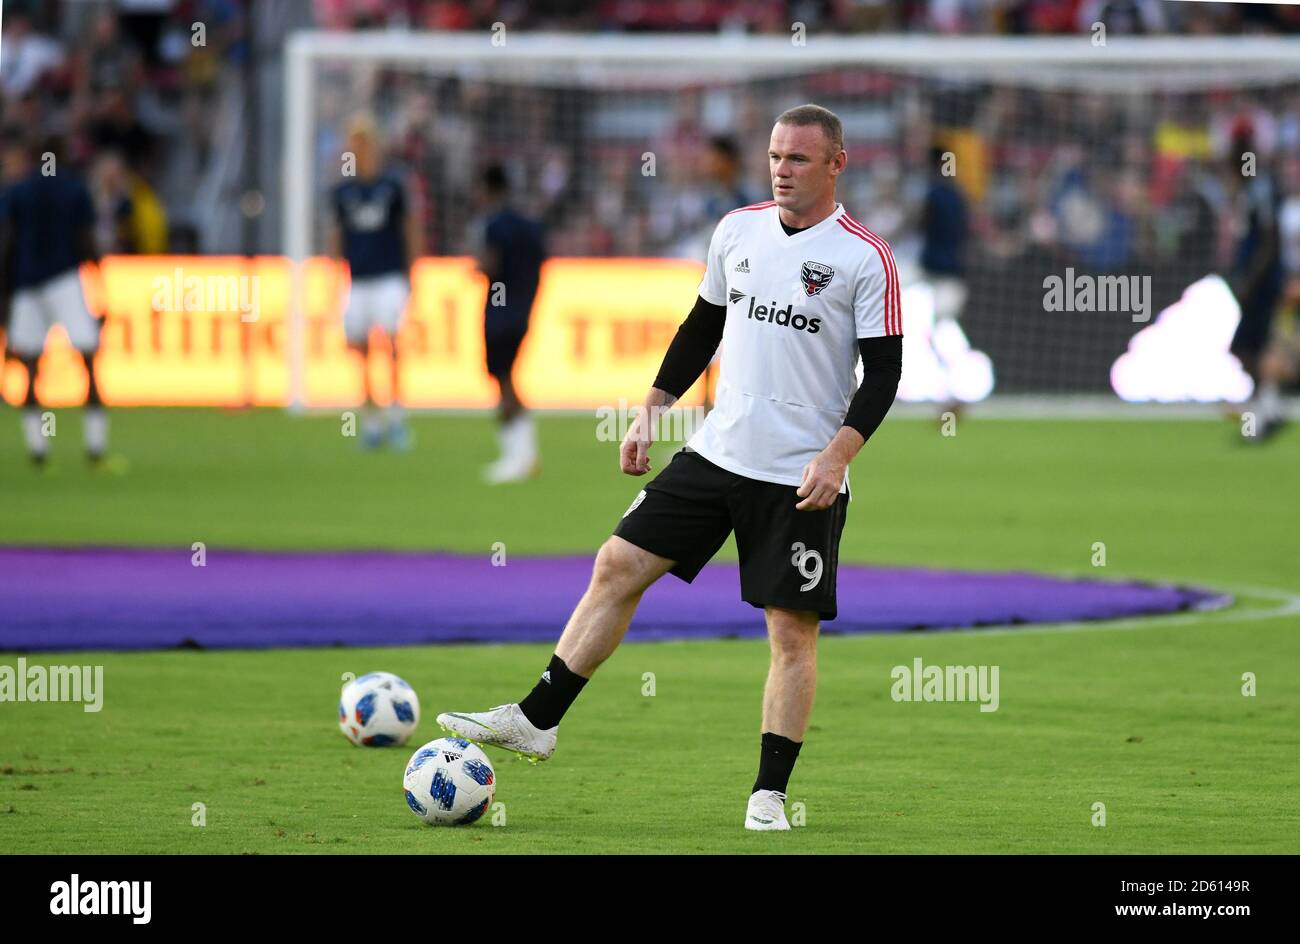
pixel 781 316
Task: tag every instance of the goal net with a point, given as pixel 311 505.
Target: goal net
pixel 1106 187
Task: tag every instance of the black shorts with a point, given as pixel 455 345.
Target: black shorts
pixel 788 558
pixel 501 343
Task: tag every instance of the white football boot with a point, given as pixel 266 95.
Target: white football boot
pixel 504 726
pixel 766 811
pixel 513 469
pixel 519 459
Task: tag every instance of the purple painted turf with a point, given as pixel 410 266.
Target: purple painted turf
pixel 113 598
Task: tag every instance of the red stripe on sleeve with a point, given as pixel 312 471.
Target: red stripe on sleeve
pixel 891 272
pixel 893 305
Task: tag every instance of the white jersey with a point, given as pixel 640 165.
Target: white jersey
pixel 796 306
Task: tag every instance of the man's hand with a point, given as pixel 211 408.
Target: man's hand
pixel 633 457
pixel 823 476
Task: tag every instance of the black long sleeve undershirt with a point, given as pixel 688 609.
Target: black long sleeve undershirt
pixel 698 337
pixel 882 366
pixel 692 348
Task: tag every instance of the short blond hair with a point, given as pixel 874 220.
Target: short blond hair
pixel 808 115
pixel 362 124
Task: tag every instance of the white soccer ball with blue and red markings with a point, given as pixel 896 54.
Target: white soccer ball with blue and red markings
pixel 449 782
pixel 378 710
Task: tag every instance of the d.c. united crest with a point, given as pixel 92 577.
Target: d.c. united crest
pixel 816 277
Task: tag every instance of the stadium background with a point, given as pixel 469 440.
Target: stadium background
pixel 1061 170
pixel 1151 721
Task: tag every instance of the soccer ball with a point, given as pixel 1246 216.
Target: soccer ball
pixel 449 782
pixel 378 709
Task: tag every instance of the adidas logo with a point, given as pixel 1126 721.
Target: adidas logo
pixel 735 296
pixel 742 266
pixel 546 676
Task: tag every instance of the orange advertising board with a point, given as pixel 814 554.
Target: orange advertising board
pixel 218 331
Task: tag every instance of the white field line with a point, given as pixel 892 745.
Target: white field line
pixel 1287 604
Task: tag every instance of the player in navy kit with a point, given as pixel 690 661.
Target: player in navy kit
pixel 511 250
pixel 13 164
pixel 47 230
pixel 797 290
pixel 379 238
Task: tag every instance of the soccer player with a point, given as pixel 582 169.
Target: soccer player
pixel 725 192
pixel 1256 276
pixel 379 239
pixel 796 289
pixel 48 225
pixel 944 227
pixel 510 252
pixel 725 189
pixel 13 165
pixel 1279 365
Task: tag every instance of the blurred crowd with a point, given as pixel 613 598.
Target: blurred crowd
pixel 1105 180
pixel 123 91
pixel 1013 17
pixel 149 108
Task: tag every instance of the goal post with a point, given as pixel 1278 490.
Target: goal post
pixel 578 115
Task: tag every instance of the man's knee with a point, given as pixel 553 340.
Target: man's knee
pixel 623 568
pixel 793 633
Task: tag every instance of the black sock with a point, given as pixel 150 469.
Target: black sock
pixel 551 697
pixel 776 762
pixel 30 399
pixel 92 387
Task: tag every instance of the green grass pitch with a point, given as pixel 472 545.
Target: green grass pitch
pixel 1146 716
